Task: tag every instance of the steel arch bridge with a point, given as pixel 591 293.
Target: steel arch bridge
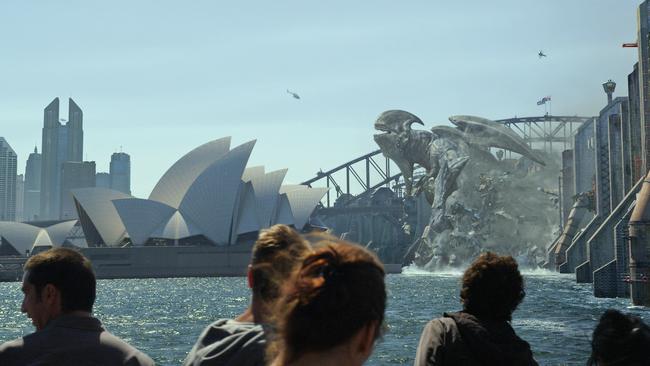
pixel 541 132
pixel 362 176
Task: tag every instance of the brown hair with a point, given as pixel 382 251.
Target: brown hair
pixel 492 287
pixel 276 254
pixel 338 290
pixel 69 272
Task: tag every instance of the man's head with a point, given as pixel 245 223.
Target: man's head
pixel 56 282
pixel 492 287
pixel 278 251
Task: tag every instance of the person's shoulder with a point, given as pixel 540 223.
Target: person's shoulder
pixel 132 355
pixel 10 351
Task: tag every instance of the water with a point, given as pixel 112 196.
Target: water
pixel 163 317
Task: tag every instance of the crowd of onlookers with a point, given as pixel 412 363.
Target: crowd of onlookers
pixel 315 300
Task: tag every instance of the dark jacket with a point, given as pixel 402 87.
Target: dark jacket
pixel 229 342
pixel 71 340
pixel 462 339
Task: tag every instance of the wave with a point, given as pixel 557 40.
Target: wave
pixel 413 270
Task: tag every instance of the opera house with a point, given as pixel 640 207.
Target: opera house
pixel 201 218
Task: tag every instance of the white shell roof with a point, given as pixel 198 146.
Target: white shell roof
pixel 96 202
pixel 210 200
pixel 253 171
pixel 266 189
pixel 303 202
pixel 43 239
pixel 21 236
pixel 177 227
pixel 246 214
pixel 176 181
pixel 141 217
pixel 59 232
pixel 283 214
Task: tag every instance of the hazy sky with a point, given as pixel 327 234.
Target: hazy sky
pixel 159 78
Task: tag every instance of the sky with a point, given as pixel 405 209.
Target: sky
pixel 156 79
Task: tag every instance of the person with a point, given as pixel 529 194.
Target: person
pixel 333 310
pixel 480 334
pixel 59 289
pixel 242 341
pixel 620 339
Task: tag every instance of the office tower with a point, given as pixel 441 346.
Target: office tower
pixel 120 171
pixel 103 180
pixel 20 198
pixel 61 143
pixel 8 161
pixel 74 174
pixel 32 200
pixel 643 23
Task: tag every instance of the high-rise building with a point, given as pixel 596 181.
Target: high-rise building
pixel 103 180
pixel 8 162
pixel 644 79
pixel 61 143
pixel 636 151
pixel 20 198
pixel 120 171
pixel 74 174
pixel 32 200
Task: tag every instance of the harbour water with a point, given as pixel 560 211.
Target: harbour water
pixel 163 317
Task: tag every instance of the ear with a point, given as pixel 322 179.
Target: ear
pixel 249 276
pixel 365 339
pixel 51 296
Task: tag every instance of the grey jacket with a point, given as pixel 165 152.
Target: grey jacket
pixel 71 340
pixel 229 342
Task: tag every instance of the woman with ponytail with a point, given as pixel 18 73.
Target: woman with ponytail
pixel 333 311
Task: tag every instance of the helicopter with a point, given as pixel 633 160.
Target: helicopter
pixel 294 95
pixel 541 54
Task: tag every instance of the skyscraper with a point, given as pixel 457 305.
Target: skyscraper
pixel 103 180
pixel 120 171
pixel 8 161
pixel 643 35
pixel 74 174
pixel 20 198
pixel 61 143
pixel 32 201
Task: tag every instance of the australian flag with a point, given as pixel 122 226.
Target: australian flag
pixel 544 100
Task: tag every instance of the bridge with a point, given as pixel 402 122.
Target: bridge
pixel 361 176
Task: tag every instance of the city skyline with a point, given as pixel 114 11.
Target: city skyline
pixel 184 75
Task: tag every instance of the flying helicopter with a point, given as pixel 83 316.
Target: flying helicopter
pixel 541 54
pixel 294 95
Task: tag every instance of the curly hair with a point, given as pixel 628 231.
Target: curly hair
pixel 492 287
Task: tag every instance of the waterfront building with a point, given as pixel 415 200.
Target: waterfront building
pixel 74 174
pixel 32 196
pixel 208 197
pixel 103 180
pixel 120 172
pixel 61 143
pixel 634 118
pixel 643 37
pixel 8 162
pixel 20 239
pixel 20 198
pixel 567 185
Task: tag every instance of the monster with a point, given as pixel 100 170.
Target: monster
pixel 442 152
